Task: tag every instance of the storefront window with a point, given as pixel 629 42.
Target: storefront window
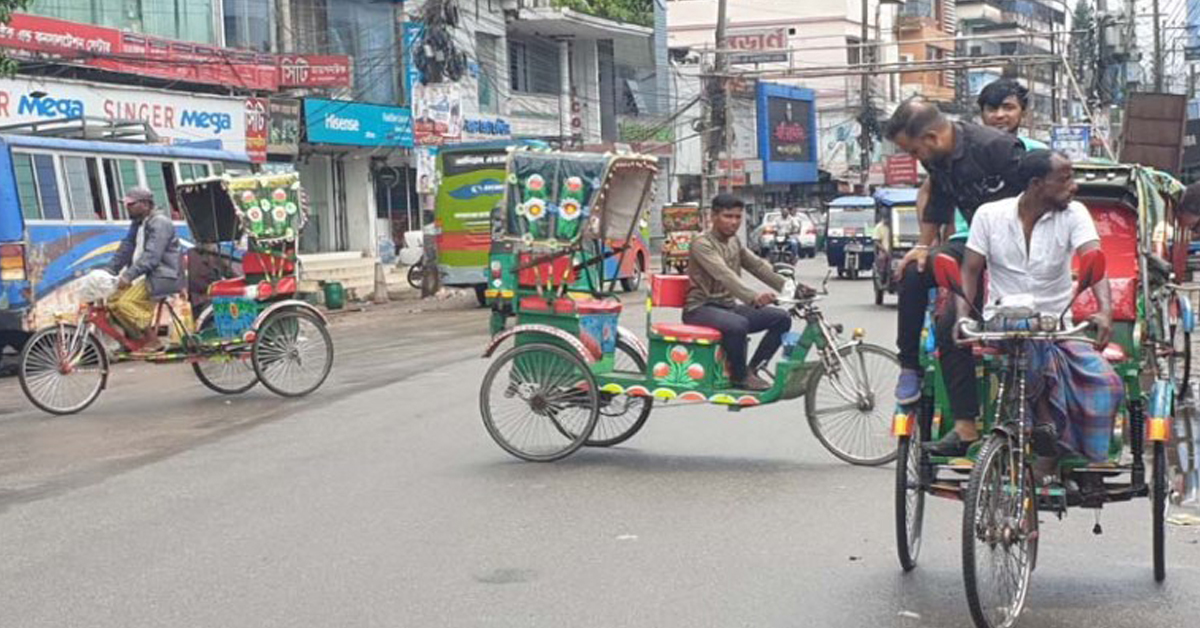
pixel 248 24
pixel 186 20
pixel 362 29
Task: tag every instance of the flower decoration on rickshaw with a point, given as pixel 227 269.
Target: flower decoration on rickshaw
pixel 534 209
pixel 570 209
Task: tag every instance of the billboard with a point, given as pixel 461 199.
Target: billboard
pixel 787 138
pixel 356 124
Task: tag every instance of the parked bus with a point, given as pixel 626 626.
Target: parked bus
pixel 61 214
pixel 471 186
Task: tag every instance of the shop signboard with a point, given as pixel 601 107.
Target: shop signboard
pixel 257 129
pixel 284 120
pixel 177 118
pixel 900 170
pixel 1073 140
pixel 758 46
pixel 786 133
pixel 349 123
pixel 32 36
pixel 314 71
pixel 413 33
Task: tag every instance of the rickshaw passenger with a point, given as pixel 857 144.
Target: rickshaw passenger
pixel 968 165
pixel 147 264
pixel 715 263
pixel 1027 243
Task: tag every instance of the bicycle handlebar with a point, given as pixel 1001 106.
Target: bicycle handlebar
pixel 964 332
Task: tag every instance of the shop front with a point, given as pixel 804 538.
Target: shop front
pixel 350 150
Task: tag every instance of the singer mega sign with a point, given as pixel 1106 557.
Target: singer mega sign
pixel 176 118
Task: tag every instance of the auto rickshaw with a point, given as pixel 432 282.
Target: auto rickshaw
pixel 896 232
pixel 848 243
pixel 680 223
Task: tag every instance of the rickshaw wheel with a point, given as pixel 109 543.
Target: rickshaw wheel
pixel 621 416
pixel 999 537
pixel 59 378
pixel 224 373
pixel 292 353
pixel 539 402
pixel 1159 504
pixel 910 499
pixel 857 434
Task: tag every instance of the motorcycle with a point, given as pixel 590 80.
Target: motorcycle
pixel 781 250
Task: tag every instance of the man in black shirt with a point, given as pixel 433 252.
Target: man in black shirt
pixel 968 165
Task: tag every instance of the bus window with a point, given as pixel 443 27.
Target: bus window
pixel 156 180
pixel 37 186
pixel 120 174
pixel 26 186
pixel 186 171
pixel 83 188
pixel 47 177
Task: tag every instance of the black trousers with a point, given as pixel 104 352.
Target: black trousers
pixel 736 324
pixel 958 364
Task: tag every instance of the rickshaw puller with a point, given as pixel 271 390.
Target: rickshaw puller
pixel 968 165
pixel 1027 243
pixel 147 265
pixel 715 263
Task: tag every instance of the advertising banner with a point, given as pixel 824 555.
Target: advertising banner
pixel 32 36
pixel 284 120
pixel 177 118
pixel 257 129
pixel 786 133
pixel 1074 140
pixel 437 113
pixel 759 46
pixel 356 124
pixel 900 170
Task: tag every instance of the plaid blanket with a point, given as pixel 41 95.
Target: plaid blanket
pixel 1084 393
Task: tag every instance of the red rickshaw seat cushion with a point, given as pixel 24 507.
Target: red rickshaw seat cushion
pixel 686 333
pixel 669 290
pixel 1117 226
pixel 235 287
pixel 567 305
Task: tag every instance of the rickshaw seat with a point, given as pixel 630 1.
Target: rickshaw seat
pixel 255 263
pixel 237 287
pixel 979 350
pixel 1117 225
pixel 567 305
pixel 686 333
pixel 671 291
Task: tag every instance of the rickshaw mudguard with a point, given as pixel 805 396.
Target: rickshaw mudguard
pixel 289 304
pixel 545 330
pixel 634 341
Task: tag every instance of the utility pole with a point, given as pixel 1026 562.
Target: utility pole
pixel 1158 50
pixel 864 136
pixel 718 109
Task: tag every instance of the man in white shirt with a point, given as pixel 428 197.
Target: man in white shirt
pixel 1027 244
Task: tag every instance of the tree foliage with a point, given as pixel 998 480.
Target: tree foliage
pixel 7 65
pixel 1083 53
pixel 640 12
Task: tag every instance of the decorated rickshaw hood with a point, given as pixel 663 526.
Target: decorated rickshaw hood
pixel 266 208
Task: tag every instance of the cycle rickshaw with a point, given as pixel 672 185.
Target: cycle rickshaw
pixel 575 377
pixel 253 330
pixel 1152 327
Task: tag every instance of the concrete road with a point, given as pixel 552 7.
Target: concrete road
pixel 381 501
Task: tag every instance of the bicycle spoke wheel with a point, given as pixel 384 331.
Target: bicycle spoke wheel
pixel 999 536
pixel 63 370
pixel 226 373
pixel 621 416
pixel 539 402
pixel 849 411
pixel 910 500
pixel 292 353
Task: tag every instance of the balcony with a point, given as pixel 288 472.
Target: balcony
pixel 555 19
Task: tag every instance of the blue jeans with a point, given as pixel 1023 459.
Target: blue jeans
pixel 736 324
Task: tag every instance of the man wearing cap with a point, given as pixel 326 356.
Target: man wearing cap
pixel 147 264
